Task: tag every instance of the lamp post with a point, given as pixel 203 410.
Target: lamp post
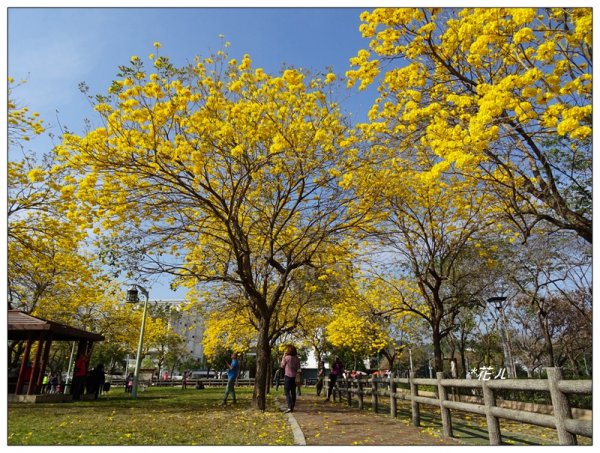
pixel 497 301
pixel 430 367
pixel 132 298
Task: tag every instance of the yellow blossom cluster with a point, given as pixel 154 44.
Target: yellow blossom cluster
pixel 480 92
pixel 365 316
pixel 21 124
pixel 489 69
pixel 219 336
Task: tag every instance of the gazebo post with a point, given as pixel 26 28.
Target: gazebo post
pixel 81 348
pixel 32 390
pixel 21 377
pixel 40 376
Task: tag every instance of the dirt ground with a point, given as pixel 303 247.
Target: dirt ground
pixel 331 423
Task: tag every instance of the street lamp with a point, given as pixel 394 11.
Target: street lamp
pixel 430 367
pixel 497 302
pixel 132 298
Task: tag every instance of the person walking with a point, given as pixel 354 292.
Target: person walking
pixel 45 383
pixel 96 380
pixel 53 383
pixel 277 378
pixel 129 383
pixel 336 371
pixel 232 374
pixel 299 382
pixel 320 378
pixel 79 376
pixel 290 364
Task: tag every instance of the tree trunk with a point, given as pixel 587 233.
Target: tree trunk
pixel 462 372
pixel 269 376
pixel 263 358
pixel 437 350
pixel 390 359
pixel 547 338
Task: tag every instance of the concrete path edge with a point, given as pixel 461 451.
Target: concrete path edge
pixel 299 438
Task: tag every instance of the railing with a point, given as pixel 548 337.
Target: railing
pixel 223 382
pixel 567 428
pixel 191 383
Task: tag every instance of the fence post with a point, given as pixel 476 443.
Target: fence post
pixel 360 393
pixel 414 406
pixel 560 404
pixel 349 391
pixel 393 407
pixel 489 399
pixel 374 395
pixel 445 412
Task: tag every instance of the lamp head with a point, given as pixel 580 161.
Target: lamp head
pixel 132 295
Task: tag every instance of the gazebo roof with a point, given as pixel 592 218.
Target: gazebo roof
pixel 21 326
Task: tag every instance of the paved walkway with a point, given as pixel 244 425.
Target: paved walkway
pixel 316 422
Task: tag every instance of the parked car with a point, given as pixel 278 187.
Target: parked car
pixel 203 374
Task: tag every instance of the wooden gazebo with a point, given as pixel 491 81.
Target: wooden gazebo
pixel 22 326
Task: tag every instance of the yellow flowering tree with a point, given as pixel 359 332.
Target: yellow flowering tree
pixel 21 124
pixel 120 324
pixel 222 173
pixel 430 220
pixel 50 272
pixel 227 327
pixel 46 260
pixel 300 318
pixel 500 94
pixel 308 307
pixel 368 320
pixel 311 332
pixel 167 346
pixel 353 329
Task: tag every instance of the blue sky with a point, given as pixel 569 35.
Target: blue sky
pixel 57 48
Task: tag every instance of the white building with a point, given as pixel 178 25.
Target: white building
pixel 187 323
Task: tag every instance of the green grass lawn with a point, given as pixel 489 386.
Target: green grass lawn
pixel 172 416
pixel 159 416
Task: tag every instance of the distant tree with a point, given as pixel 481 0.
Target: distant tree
pixel 167 346
pixel 550 274
pixel 50 271
pixel 369 319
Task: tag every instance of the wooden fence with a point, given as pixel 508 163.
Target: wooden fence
pixel 191 383
pixel 561 420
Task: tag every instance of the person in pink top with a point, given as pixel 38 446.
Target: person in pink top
pixel 337 369
pixel 290 364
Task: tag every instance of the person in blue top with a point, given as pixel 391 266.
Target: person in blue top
pixel 232 374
